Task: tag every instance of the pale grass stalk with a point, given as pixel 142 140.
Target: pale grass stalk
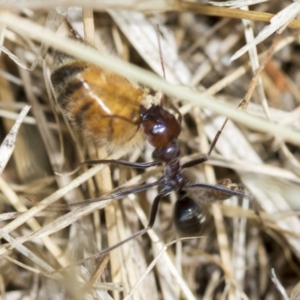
pixel 85 53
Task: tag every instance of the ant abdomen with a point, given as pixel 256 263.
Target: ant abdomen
pixel 188 217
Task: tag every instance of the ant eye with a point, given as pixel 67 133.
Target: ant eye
pixel 188 217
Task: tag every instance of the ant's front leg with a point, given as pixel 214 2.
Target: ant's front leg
pixel 205 157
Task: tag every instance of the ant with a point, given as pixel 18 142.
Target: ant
pixel 78 85
pixel 162 130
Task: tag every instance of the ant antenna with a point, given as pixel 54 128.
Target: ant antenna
pixel 158 32
pixel 242 105
pixel 160 52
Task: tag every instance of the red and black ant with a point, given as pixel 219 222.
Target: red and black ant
pixel 114 111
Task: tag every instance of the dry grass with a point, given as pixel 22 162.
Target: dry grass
pixel 44 249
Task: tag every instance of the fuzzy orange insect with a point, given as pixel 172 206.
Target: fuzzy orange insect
pixel 102 104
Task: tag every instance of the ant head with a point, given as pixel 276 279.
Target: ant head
pixel 160 126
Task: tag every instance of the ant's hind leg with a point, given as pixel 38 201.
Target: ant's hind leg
pixel 218 188
pixel 153 214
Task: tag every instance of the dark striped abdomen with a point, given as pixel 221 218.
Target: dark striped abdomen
pixel 102 104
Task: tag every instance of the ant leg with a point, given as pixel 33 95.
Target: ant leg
pixel 230 192
pixel 219 188
pixel 154 209
pixel 153 213
pixel 121 162
pixel 117 195
pixel 195 162
pixel 205 157
pixel 115 161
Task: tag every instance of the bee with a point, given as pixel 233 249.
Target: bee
pixel 102 104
